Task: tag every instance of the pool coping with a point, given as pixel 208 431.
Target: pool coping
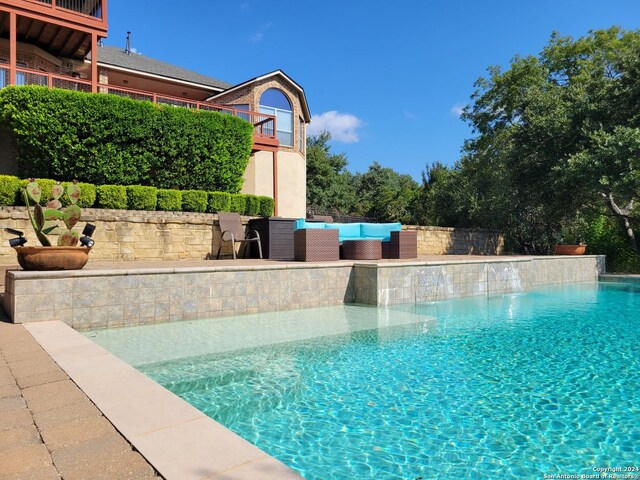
pixel 178 440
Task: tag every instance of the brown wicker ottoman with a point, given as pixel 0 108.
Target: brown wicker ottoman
pixel 403 244
pixel 316 245
pixel 362 249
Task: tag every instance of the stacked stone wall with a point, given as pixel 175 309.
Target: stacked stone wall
pixel 123 235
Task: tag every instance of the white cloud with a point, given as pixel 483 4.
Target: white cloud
pixel 259 35
pixel 410 115
pixel 457 110
pixel 342 126
pixel 244 7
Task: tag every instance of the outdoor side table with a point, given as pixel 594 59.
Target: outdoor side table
pixel 316 245
pixel 362 249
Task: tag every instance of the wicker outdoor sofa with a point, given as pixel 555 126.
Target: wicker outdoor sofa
pixel 322 241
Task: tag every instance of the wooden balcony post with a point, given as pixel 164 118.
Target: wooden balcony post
pixel 13 48
pixel 94 62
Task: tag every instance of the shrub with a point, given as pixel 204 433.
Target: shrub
pixel 219 202
pixel 266 206
pixel 141 197
pixel 603 236
pixel 169 200
pixel 111 139
pixel 252 207
pixel 9 190
pixel 112 196
pixel 238 203
pixel 194 201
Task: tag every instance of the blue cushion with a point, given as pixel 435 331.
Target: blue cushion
pixel 346 230
pixel 380 231
pixel 302 223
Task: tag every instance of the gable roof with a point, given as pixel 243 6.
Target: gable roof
pixel 117 57
pixel 303 97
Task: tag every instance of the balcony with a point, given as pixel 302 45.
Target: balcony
pixel 61 27
pixel 91 8
pixel 264 126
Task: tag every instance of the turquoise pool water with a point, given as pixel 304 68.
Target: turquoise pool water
pixel 515 386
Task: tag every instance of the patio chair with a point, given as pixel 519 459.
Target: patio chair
pixel 232 231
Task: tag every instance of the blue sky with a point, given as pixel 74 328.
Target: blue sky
pixel 387 79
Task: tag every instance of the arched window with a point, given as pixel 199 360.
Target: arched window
pixel 274 102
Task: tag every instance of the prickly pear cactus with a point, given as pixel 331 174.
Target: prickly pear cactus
pixel 45 220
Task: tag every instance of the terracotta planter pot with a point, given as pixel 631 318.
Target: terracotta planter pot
pixel 570 249
pixel 52 258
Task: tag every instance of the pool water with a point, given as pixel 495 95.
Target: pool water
pixel 514 386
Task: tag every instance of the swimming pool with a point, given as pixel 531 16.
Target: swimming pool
pixel 515 386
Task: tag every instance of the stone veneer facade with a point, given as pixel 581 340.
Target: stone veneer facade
pixel 140 235
pixel 110 298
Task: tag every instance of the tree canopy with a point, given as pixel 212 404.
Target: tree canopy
pixel 557 136
pixel 555 150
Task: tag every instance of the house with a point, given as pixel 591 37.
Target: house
pixel 57 43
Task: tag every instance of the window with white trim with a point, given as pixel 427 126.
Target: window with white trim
pixel 275 102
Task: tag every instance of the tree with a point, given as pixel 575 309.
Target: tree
pixel 330 186
pixel 556 135
pixel 385 195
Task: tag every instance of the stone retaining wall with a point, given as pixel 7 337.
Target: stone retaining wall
pixel 458 241
pixel 123 235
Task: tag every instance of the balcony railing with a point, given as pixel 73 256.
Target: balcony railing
pixel 264 125
pixel 91 8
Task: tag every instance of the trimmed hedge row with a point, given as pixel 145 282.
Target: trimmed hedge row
pixel 115 140
pixel 139 197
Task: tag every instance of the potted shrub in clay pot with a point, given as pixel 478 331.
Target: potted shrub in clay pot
pixel 569 243
pixel 53 219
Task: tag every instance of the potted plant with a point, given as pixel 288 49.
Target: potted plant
pixel 569 243
pixel 66 255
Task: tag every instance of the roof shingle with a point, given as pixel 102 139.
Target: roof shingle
pixel 119 58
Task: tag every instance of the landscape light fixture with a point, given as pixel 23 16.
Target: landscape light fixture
pixel 85 239
pixel 16 242
pixel 89 229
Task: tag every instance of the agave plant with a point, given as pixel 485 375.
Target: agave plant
pixel 45 219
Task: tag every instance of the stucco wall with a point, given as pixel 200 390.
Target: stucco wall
pixel 138 235
pixel 292 185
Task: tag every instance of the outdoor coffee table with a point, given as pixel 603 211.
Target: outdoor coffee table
pixel 362 249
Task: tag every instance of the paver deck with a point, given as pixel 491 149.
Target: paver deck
pixel 49 429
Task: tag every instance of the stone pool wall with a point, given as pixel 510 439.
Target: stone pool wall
pixel 110 298
pixel 389 283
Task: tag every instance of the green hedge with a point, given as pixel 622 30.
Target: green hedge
pixel 267 206
pixel 115 140
pixel 238 203
pixel 219 202
pixel 137 197
pixel 9 190
pixel 194 201
pixel 111 196
pixel 252 205
pixel 140 197
pixel 169 200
